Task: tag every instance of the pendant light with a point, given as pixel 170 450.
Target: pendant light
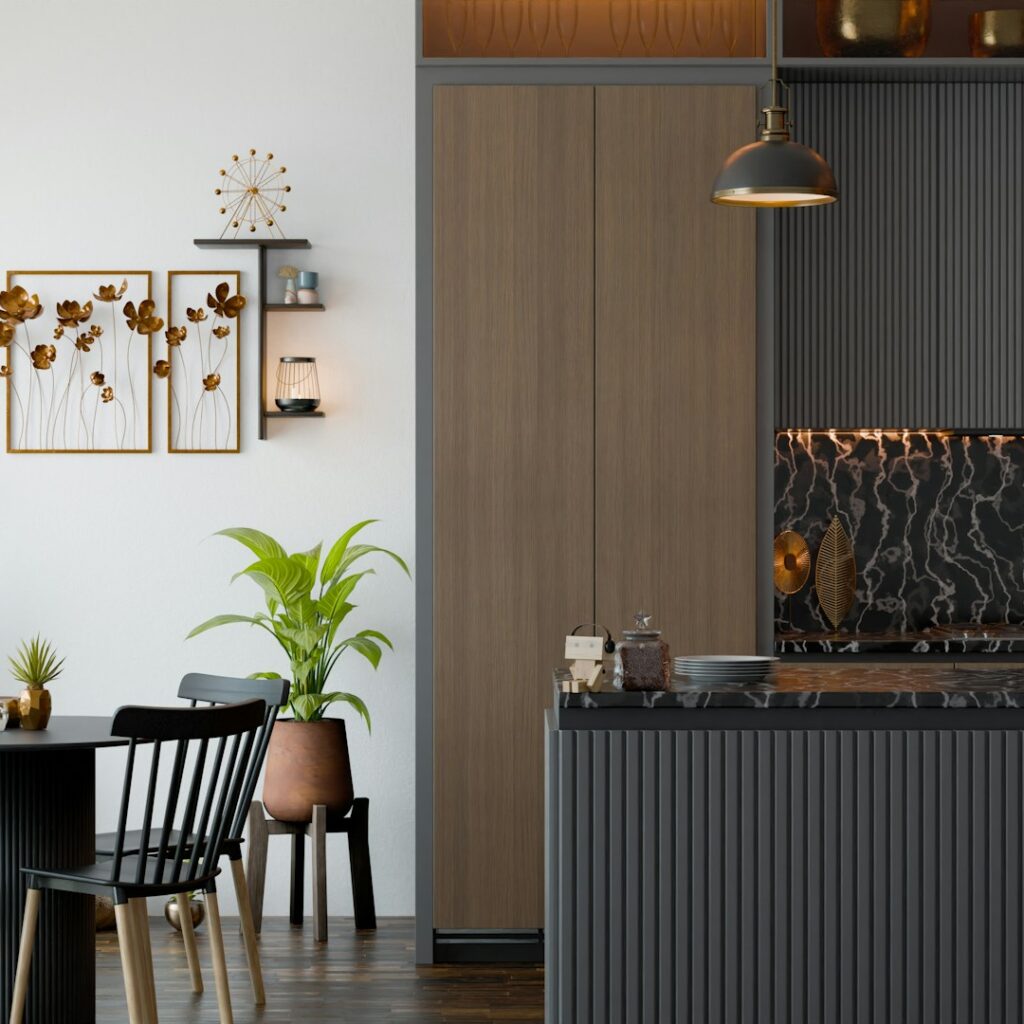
pixel 775 171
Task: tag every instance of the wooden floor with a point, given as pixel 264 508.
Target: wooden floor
pixel 353 978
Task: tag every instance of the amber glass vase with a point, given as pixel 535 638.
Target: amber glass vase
pixel 873 28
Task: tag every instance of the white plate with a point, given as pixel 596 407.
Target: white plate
pixel 727 659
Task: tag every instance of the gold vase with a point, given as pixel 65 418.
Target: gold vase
pixel 997 33
pixel 34 706
pixel 873 28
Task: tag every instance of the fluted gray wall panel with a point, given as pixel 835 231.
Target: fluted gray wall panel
pixel 901 305
pixel 777 877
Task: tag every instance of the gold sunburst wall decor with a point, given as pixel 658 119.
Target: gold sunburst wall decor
pixel 835 573
pixel 252 191
pixel 792 562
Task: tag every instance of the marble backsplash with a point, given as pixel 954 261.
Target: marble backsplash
pixel 937 523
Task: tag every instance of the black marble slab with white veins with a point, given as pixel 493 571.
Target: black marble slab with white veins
pixel 937 523
pixel 827 686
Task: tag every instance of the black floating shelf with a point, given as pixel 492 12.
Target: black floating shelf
pixel 252 243
pixel 293 307
pixel 276 414
pixel 261 246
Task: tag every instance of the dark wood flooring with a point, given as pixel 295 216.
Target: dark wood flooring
pixel 353 978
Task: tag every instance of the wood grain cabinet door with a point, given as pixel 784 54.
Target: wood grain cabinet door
pixel 513 474
pixel 675 367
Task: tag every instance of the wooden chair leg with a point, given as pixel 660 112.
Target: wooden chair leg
pixel 252 949
pixel 320 873
pixel 28 938
pixel 144 953
pixel 256 867
pixel 220 967
pixel 188 936
pixel 128 943
pixel 359 864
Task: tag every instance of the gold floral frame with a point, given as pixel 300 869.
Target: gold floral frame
pixel 177 402
pixel 28 279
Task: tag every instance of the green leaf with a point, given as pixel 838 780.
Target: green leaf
pixel 35 663
pixel 264 675
pixel 377 636
pixel 342 588
pixel 357 551
pixel 337 552
pixel 304 637
pixel 310 707
pixel 309 560
pixel 262 545
pixel 223 620
pixel 365 646
pixel 331 604
pixel 282 579
pixel 340 614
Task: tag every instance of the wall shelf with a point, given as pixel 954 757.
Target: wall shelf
pixel 293 307
pixel 277 414
pixel 262 245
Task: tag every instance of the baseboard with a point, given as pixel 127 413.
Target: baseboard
pixel 489 946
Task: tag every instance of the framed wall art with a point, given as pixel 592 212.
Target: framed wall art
pixel 75 352
pixel 202 366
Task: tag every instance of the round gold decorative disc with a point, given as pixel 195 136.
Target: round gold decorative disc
pixel 792 562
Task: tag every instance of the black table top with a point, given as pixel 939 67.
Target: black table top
pixel 828 686
pixel 64 732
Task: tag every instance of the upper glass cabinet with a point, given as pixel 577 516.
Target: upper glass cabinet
pixel 566 29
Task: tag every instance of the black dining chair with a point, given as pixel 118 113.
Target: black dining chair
pixel 203 794
pixel 199 688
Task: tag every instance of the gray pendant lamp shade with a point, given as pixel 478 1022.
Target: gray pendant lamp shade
pixel 775 171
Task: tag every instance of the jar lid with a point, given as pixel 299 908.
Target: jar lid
pixel 642 628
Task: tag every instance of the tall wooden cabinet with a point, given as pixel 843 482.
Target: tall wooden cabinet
pixel 593 430
pixel 513 473
pixel 675 357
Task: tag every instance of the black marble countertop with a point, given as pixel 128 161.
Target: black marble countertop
pixel 827 686
pixel 998 639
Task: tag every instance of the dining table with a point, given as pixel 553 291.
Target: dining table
pixel 48 819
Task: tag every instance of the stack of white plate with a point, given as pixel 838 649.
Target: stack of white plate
pixel 711 669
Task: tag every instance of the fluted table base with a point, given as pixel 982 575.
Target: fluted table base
pixel 47 818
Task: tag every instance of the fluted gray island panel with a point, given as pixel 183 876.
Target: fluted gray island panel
pixel 740 870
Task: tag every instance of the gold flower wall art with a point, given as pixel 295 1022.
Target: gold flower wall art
pixel 75 351
pixel 202 362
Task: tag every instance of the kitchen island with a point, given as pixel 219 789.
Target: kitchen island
pixel 841 844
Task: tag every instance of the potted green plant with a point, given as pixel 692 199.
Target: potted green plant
pixel 307 600
pixel 35 664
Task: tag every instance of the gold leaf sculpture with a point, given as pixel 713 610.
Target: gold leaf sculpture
pixel 792 562
pixel 835 573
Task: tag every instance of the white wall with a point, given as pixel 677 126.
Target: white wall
pixel 118 116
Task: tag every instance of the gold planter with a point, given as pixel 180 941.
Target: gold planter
pixel 105 916
pixel 997 34
pixel 196 907
pixel 873 28
pixel 34 707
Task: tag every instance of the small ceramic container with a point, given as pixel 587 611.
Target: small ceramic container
pixel 308 279
pixel 308 296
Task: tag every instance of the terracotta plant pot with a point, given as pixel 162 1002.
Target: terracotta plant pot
pixel 308 764
pixel 34 707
